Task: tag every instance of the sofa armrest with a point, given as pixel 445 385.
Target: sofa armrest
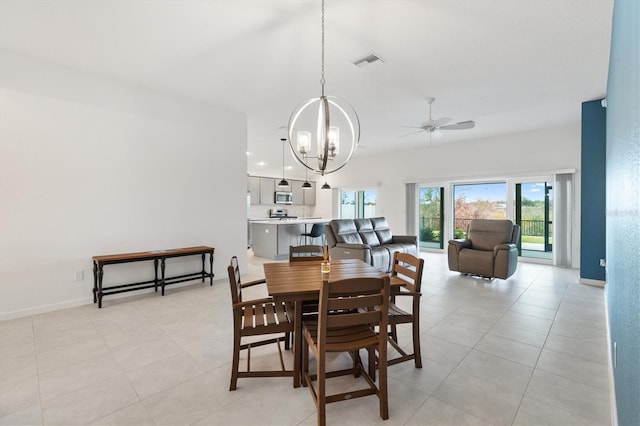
pixel 507 247
pixel 459 244
pixel 505 260
pixel 453 251
pixel 406 239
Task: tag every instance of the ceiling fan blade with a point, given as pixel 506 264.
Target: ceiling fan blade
pixel 441 121
pixel 459 126
pixel 409 134
pixel 412 127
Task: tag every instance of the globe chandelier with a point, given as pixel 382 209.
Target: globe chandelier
pixel 323 117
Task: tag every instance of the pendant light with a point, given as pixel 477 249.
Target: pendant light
pixel 330 151
pixel 306 184
pixel 283 183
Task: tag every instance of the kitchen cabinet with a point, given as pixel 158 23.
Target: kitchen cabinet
pixel 298 192
pixel 253 186
pixel 267 190
pixel 310 195
pixel 271 238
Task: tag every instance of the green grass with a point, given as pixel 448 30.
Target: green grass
pixel 532 239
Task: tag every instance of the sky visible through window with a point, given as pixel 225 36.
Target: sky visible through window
pixel 533 191
pixel 498 191
pixel 482 191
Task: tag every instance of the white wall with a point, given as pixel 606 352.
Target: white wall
pixel 531 153
pixel 92 166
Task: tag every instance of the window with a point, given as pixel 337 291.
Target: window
pixel 357 204
pixel 478 201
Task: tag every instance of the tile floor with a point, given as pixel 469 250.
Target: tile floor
pixel 530 350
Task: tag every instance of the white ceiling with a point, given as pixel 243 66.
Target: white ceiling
pixel 510 65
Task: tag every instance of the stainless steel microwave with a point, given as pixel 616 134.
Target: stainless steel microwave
pixel 283 197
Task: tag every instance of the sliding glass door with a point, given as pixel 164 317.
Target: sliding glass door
pixel 534 204
pixel 431 217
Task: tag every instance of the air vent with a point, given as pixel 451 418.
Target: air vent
pixel 369 58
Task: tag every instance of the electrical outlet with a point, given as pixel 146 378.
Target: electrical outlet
pixel 603 263
pixel 78 275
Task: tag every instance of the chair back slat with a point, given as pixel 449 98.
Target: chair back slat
pixel 351 319
pixel 305 253
pixel 234 280
pixel 356 285
pixel 349 303
pixel 409 268
pixel 366 298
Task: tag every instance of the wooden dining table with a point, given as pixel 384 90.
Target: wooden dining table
pixel 301 281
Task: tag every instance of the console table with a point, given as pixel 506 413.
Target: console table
pixel 158 256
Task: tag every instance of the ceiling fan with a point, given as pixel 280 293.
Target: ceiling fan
pixel 434 126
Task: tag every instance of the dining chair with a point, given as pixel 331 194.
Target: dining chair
pixel 305 253
pixel 316 231
pixel 406 278
pixel 349 310
pixel 257 317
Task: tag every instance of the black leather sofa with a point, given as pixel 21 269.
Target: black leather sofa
pixel 370 240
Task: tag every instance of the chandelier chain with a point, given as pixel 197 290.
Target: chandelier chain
pixel 322 80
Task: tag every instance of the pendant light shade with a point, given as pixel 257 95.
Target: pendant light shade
pixel 283 183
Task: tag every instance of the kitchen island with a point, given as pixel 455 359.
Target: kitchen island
pixel 271 238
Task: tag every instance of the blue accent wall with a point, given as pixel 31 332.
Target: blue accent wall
pixel 593 190
pixel 623 206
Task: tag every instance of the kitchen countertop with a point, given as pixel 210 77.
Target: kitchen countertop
pixel 290 221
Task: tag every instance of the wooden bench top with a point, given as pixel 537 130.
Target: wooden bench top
pixel 154 254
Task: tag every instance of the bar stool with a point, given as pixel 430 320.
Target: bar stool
pixel 316 231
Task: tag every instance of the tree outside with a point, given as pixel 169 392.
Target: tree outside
pixel 478 201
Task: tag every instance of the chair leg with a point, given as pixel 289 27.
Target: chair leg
pixel 372 363
pixel 394 332
pixel 305 362
pixel 322 391
pixel 236 361
pixel 416 342
pixel 382 386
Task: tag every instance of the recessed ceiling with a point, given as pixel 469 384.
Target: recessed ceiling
pixel 509 65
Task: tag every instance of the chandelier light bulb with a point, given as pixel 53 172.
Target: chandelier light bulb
pixel 303 142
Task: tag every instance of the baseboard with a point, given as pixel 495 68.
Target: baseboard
pixel 44 309
pixel 596 283
pixel 612 385
pixel 4 316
